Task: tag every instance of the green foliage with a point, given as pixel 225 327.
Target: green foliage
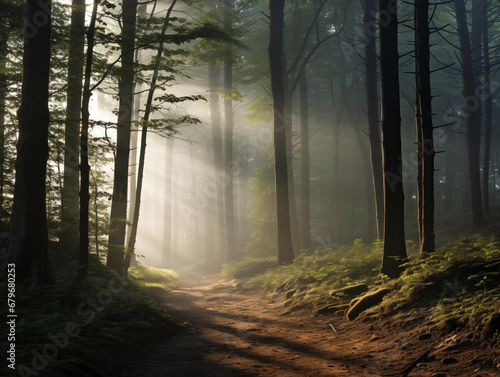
pixel 152 277
pixel 235 267
pixel 314 276
pixel 459 282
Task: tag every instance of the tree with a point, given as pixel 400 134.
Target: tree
pixel 275 50
pixel 370 55
pixel 472 104
pixel 116 243
pixel 83 253
pixel 69 199
pixel 394 232
pixel 28 236
pixel 488 109
pixel 425 129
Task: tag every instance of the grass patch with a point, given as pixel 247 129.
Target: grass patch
pixel 143 276
pixel 247 266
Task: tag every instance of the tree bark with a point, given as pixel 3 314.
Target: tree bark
pixel 71 180
pixel 142 154
pixel 83 252
pixel 370 26
pixel 117 226
pixel 275 50
pixel 472 106
pixel 488 109
pixel 305 216
pixel 425 127
pixel 28 236
pixel 394 232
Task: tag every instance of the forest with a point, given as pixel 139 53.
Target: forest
pixel 250 188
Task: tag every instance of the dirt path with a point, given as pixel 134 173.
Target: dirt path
pixel 236 333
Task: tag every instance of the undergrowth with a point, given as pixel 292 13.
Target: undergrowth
pixel 152 277
pixel 58 320
pixel 313 276
pixel 234 267
pixel 459 282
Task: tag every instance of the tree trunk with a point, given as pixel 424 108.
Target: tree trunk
pixel 83 253
pixel 305 226
pixel 217 155
pixel 117 226
pixel 488 109
pixel 394 231
pixel 370 25
pixel 28 236
pixel 142 154
pixel 275 50
pixel 472 106
pixel 3 113
pixel 228 145
pixel 425 127
pixel 167 206
pixel 69 196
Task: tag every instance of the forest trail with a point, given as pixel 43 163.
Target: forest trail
pixel 232 332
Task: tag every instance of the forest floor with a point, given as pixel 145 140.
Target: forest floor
pixel 227 331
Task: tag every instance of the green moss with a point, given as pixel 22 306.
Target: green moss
pixel 367 301
pixel 351 290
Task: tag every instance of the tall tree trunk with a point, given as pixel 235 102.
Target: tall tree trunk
pixel 217 155
pixel 394 231
pixel 117 226
pixel 370 25
pixel 69 196
pixel 488 109
pixel 228 137
pixel 3 113
pixel 424 126
pixel 167 206
pixel 472 105
pixel 83 252
pixel 275 50
pixel 305 216
pixel 134 134
pixel 142 153
pixel 28 236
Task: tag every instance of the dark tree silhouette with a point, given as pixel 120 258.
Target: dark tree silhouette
pixel 394 231
pixel 275 50
pixel 472 104
pixel 117 227
pixel 28 236
pixel 425 127
pixel 370 24
pixel 83 253
pixel 69 195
